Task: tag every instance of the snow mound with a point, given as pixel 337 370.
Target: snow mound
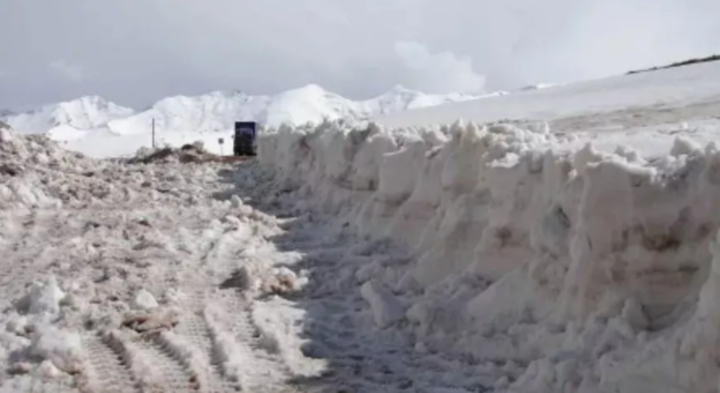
pixel 35 172
pixel 188 153
pixel 37 337
pixel 589 271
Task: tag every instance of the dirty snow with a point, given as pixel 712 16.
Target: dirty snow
pixel 117 274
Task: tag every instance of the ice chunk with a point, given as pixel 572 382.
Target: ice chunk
pixel 43 298
pixel 144 300
pixel 61 347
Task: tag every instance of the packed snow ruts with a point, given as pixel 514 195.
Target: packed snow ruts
pixel 112 272
pixel 109 371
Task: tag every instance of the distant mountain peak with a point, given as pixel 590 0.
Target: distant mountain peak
pixel 86 112
pixel 311 87
pixel 218 110
pixel 401 89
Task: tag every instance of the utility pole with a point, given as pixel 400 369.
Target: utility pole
pixel 153 133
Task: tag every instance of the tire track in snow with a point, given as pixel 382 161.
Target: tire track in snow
pixel 194 336
pixel 237 345
pixel 214 337
pixel 146 364
pixel 109 371
pixel 170 374
pixel 195 332
pixel 170 361
pixel 242 353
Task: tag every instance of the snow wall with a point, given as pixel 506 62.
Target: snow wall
pixel 589 271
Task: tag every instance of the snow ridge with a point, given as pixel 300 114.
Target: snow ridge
pixel 589 271
pixel 217 111
pixel 83 113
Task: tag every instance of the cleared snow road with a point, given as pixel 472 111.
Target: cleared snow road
pixel 157 277
pixel 111 278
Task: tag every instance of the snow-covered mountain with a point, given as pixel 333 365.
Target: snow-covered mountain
pixel 82 113
pixel 218 110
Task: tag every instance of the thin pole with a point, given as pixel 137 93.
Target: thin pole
pixel 153 132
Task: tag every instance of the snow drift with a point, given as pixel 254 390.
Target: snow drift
pixel 591 271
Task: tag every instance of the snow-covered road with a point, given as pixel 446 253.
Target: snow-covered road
pixel 120 277
pixel 113 274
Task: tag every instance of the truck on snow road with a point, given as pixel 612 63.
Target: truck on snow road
pixel 245 139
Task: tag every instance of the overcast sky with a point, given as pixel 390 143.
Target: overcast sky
pixel 135 52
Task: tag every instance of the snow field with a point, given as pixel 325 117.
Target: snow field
pixel 577 270
pixel 681 92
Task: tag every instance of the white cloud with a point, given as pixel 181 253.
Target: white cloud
pixel 440 72
pixel 73 72
pixel 138 51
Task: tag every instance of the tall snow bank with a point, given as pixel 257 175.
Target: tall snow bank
pixel 570 262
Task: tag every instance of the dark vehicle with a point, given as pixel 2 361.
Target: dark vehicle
pixel 245 138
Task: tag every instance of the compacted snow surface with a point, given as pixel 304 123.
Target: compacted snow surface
pixel 115 277
pixel 160 276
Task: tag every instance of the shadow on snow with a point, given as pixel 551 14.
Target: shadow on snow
pixel 338 325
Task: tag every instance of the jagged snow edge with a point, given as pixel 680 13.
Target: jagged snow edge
pixel 549 226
